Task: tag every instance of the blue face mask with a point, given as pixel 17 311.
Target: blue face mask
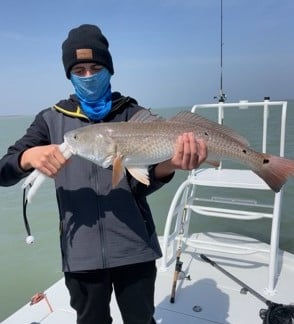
pixel 94 93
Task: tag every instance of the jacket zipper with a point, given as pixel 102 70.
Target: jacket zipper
pixel 100 224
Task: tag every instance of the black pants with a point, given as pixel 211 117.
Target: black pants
pixel 133 286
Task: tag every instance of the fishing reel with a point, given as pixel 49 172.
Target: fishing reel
pixel 277 314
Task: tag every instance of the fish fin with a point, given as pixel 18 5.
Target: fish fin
pixel 140 173
pixel 145 115
pixel 275 171
pixel 190 118
pixel 215 164
pixel 117 170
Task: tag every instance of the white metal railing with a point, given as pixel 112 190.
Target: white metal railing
pixel 243 104
pixel 186 202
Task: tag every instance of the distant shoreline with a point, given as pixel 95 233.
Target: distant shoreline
pixel 184 107
pixel 13 116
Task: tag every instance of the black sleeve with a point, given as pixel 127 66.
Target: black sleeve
pixel 37 134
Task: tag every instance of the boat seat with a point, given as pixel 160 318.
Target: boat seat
pixel 228 178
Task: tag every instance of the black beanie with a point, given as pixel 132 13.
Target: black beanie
pixel 86 44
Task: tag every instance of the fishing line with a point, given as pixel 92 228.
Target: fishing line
pixel 29 239
pixel 275 314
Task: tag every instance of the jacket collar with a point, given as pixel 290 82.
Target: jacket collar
pixel 71 106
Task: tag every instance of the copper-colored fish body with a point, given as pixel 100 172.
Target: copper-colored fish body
pixel 147 139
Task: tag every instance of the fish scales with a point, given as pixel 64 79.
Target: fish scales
pixel 144 144
pixel 146 139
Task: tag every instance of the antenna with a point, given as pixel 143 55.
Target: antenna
pixel 222 96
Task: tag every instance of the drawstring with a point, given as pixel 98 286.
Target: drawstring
pixel 29 239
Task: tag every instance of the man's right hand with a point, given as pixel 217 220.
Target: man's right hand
pixel 47 159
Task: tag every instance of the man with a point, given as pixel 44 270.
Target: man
pixel 107 237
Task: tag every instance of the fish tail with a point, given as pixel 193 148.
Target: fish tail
pixel 275 171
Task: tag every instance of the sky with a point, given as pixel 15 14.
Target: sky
pixel 166 53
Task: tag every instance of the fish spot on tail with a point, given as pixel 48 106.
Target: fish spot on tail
pixel 275 171
pixel 244 151
pixel 266 161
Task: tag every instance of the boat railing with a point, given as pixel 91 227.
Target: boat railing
pixel 211 192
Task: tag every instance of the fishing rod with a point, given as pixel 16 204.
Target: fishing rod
pixel 179 263
pixel 222 97
pixel 275 314
pixel 178 270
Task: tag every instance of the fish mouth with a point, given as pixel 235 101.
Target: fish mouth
pixel 70 147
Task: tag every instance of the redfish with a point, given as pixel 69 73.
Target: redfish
pixel 148 139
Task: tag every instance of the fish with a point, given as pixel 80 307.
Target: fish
pixel 148 139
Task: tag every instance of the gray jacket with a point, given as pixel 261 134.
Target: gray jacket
pixel 99 227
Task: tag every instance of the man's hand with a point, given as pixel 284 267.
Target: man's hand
pixel 47 159
pixel 189 154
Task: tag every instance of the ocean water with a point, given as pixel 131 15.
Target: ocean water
pixel 26 270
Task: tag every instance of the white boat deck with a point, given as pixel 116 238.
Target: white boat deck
pixel 209 297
